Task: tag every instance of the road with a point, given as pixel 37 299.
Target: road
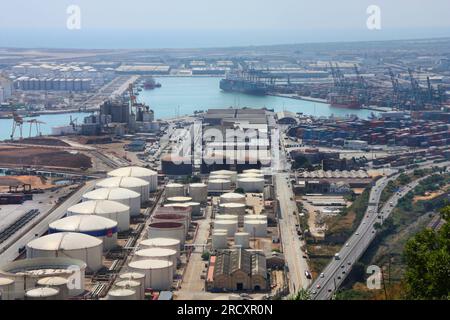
pixel 337 270
pixel 41 227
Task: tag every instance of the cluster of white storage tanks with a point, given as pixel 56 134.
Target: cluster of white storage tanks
pixel 251 184
pixel 230 175
pixel 134 184
pixel 127 197
pixel 113 210
pixel 137 172
pixel 102 228
pixel 257 228
pixel 229 224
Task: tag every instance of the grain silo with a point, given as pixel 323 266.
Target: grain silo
pixel 232 197
pixel 219 240
pixel 7 288
pixel 136 286
pixel 172 230
pixel 42 294
pixel 219 185
pixel 251 184
pixel 138 185
pixel 232 208
pixel 122 294
pixel 158 254
pixel 137 172
pixel 59 283
pixel 127 197
pixel 256 228
pixel 230 225
pixel 198 192
pixel 68 244
pixel 158 273
pixel 102 228
pixel 166 243
pixel 104 208
pixel 168 217
pixel 242 240
pixel 174 190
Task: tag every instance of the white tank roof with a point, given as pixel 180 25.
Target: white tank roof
pixel 223 172
pixel 82 223
pixel 132 276
pixel 42 292
pixel 132 172
pixel 232 195
pixel 179 199
pixel 219 181
pixel 160 242
pixel 52 281
pixel 122 182
pixel 232 205
pixel 156 252
pixel 6 281
pixel 198 185
pixel 112 194
pixel 150 264
pixel 251 180
pixel 174 185
pixel 98 207
pixel 64 241
pixel 226 217
pixel 121 292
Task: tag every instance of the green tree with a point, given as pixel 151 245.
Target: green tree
pixel 302 294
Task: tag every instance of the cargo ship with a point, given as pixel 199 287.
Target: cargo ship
pixel 239 83
pixel 343 101
pixel 151 84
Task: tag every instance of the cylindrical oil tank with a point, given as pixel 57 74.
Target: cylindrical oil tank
pixel 251 184
pixel 7 288
pixel 102 228
pixel 256 228
pixel 179 199
pixel 172 230
pixel 138 185
pixel 122 294
pixel 68 244
pixel 215 177
pixel 198 192
pixel 260 217
pixel 42 294
pixel 219 240
pixel 59 283
pixel 136 286
pixel 168 217
pixel 242 240
pixel 232 208
pixel 135 276
pixel 195 208
pixel 232 217
pixel 229 225
pixel 230 174
pixel 166 243
pixel 232 197
pixel 251 175
pixel 257 171
pixel 158 254
pixel 127 197
pixel 104 208
pixel 137 172
pixel 219 185
pixel 174 190
pixel 158 273
pixel 176 208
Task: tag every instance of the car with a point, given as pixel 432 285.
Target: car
pixel 349 263
pixel 347 244
pixel 339 277
pixel 357 233
pixel 364 223
pixel 343 272
pixel 314 292
pixel 373 231
pixel 322 275
pixel 308 274
pixel 329 290
pixel 342 266
pixel 318 286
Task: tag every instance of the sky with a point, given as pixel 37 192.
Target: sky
pixel 184 22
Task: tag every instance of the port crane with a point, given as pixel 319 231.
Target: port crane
pixel 18 123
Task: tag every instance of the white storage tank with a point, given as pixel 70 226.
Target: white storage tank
pixel 232 197
pixel 171 217
pixel 251 175
pixel 260 217
pixel 104 208
pixel 158 254
pixel 42 294
pixel 219 185
pixel 257 171
pixel 179 199
pixel 230 225
pixel 230 174
pixel 135 276
pixel 138 185
pixel 256 228
pixel 68 244
pixel 136 286
pixel 158 273
pixel 127 197
pixel 176 208
pixel 219 240
pixel 174 190
pixel 59 283
pixel 7 288
pixel 242 240
pixel 232 208
pixel 166 243
pixel 195 206
pixel 198 192
pixel 102 228
pixel 172 230
pixel 215 177
pixel 232 217
pixel 137 172
pixel 251 184
pixel 122 294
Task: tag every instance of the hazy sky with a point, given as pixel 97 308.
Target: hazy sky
pixel 245 19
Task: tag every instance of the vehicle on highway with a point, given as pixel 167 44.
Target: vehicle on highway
pixel 336 256
pixel 318 286
pixel 308 274
pixel 357 233
pixel 347 244
pixel 322 275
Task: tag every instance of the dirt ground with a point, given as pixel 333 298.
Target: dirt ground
pixel 44 141
pixel 35 182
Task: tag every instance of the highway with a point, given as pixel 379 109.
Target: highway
pixel 335 273
pixel 11 252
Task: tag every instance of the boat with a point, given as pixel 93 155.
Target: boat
pixel 151 84
pixel 343 101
